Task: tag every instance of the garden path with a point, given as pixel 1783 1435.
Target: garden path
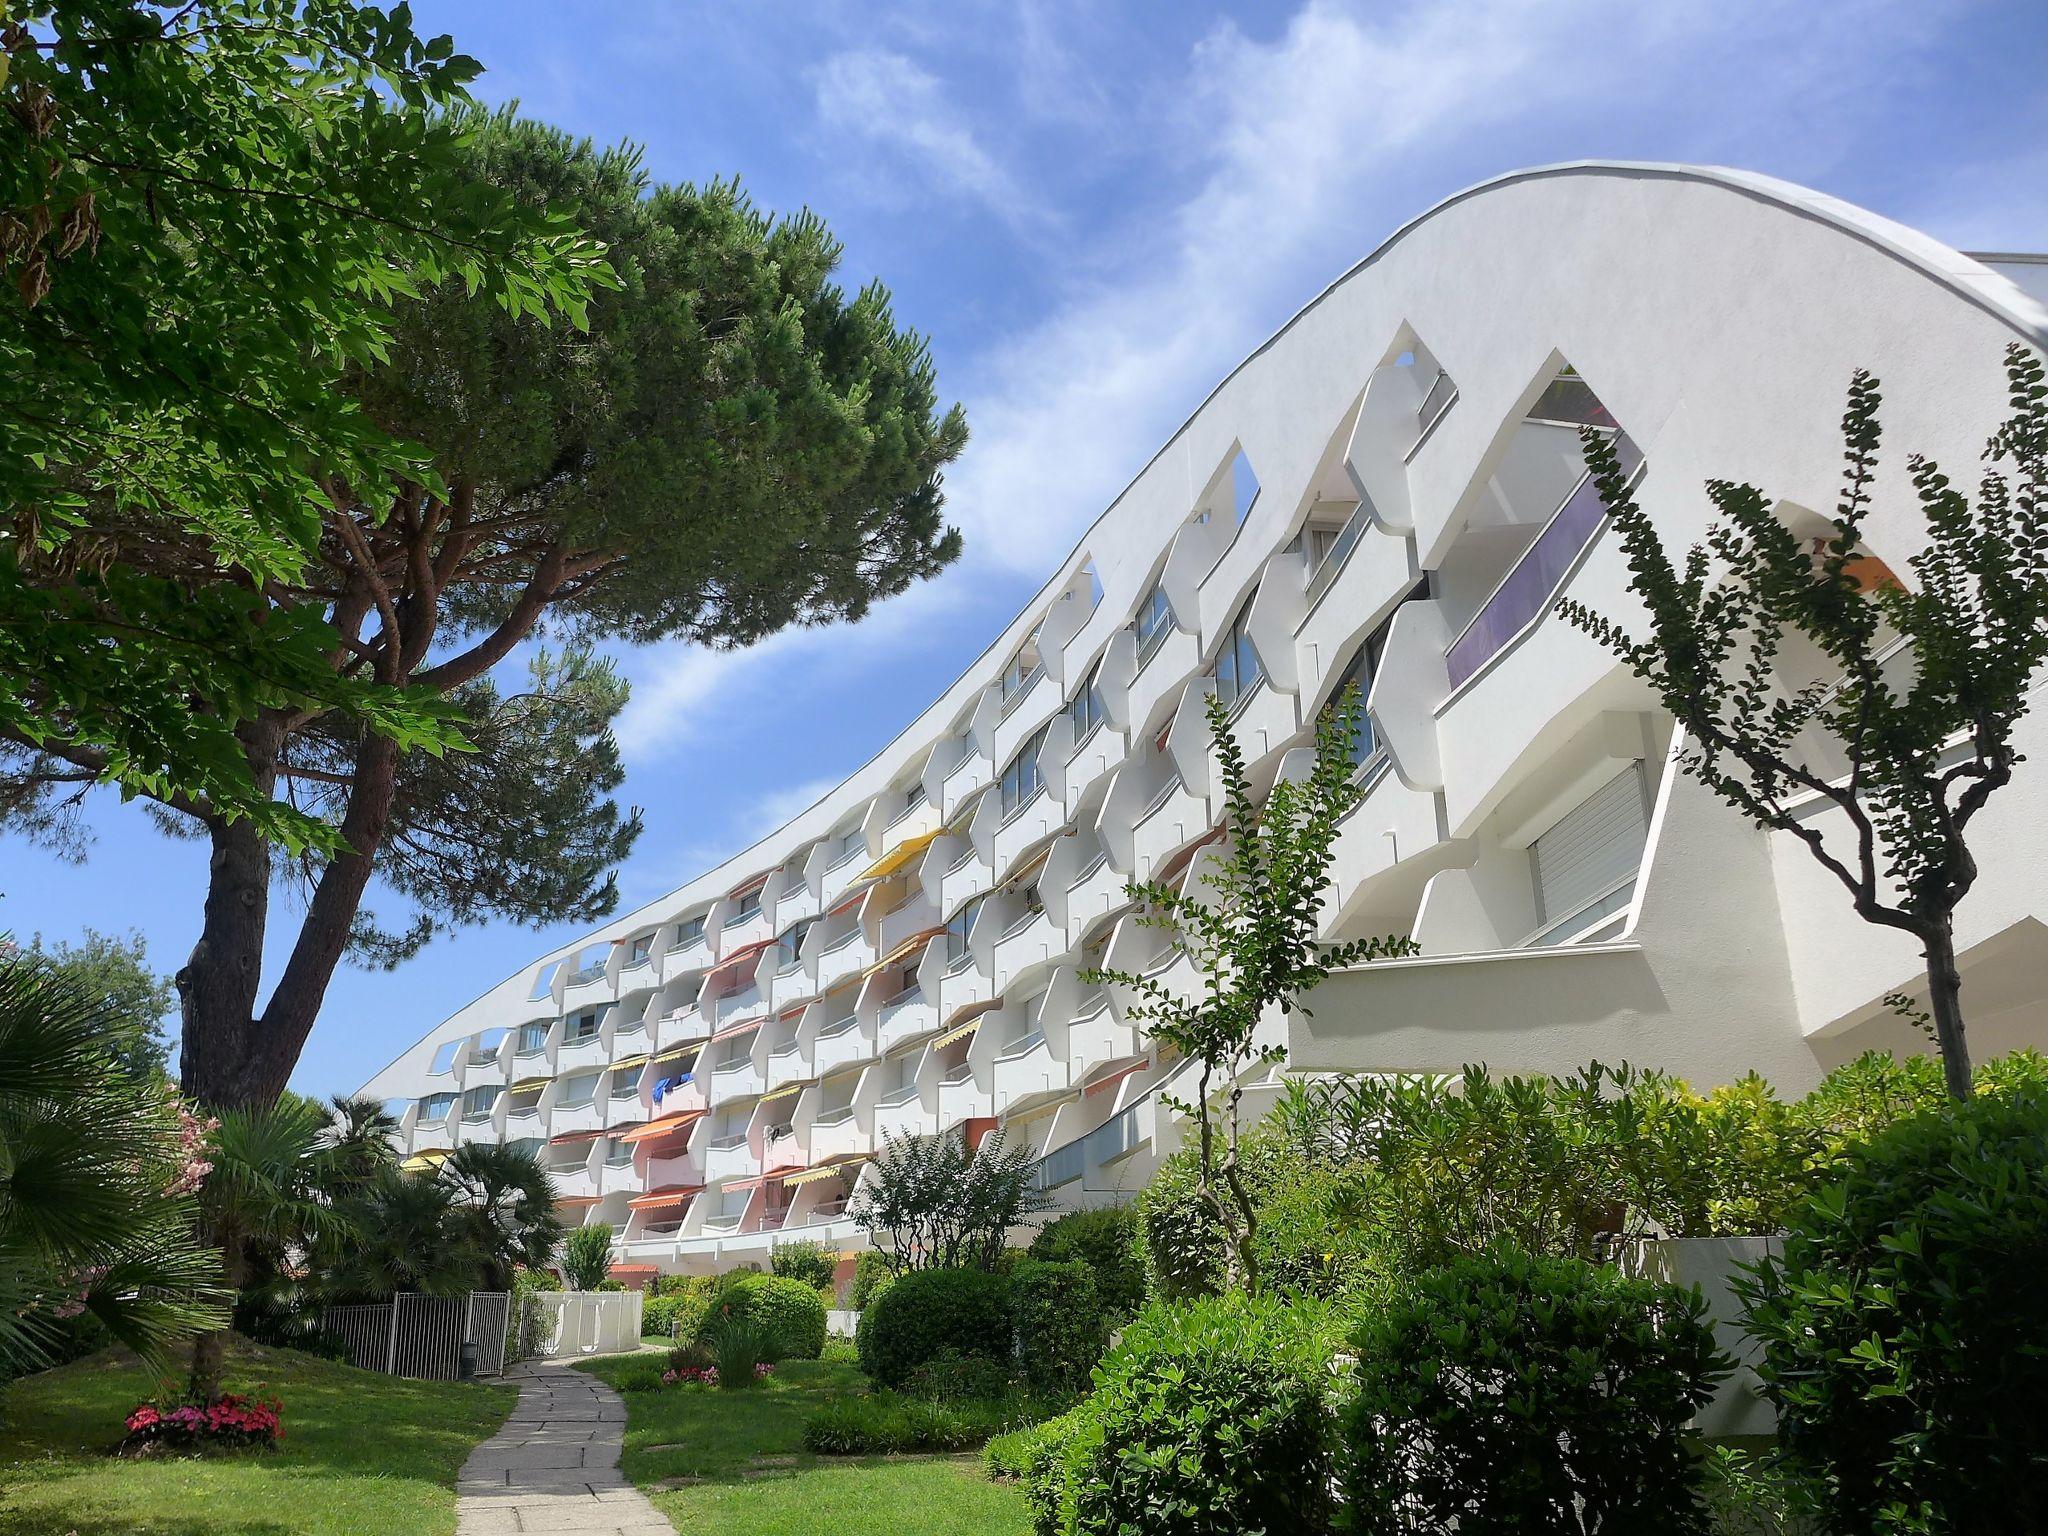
pixel 554 1467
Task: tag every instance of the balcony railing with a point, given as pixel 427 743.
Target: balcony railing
pixel 1525 594
pixel 908 997
pixel 587 973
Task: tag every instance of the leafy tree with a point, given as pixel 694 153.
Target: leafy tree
pixel 1253 940
pixel 587 1257
pixel 95 1181
pixel 932 1204
pixel 805 1260
pixel 361 1142
pixel 1932 681
pixel 504 1210
pixel 207 211
pixel 136 999
pixel 734 446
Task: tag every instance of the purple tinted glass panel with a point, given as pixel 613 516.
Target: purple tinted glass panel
pixel 1534 581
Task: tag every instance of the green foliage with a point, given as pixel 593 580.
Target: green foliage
pixel 206 212
pixel 789 1314
pixel 96 1212
pixel 483 1221
pixel 528 1316
pixel 1903 1338
pixel 691 1355
pixel 1210 1417
pixel 1861 1099
pixel 1061 1327
pixel 871 1272
pixel 951 1377
pixel 888 1423
pixel 738 1343
pixel 1505 1393
pixel 811 1262
pixel 929 1310
pixel 1105 1238
pixel 678 1306
pixel 504 1210
pixel 587 1257
pixel 117 975
pixel 929 1203
pixel 1011 1455
pixel 1970 638
pixel 1252 938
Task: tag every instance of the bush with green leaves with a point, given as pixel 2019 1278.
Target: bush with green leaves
pixel 1904 1339
pixel 1010 1455
pixel 951 1377
pixel 691 1355
pixel 891 1423
pixel 1506 1393
pixel 789 1314
pixel 1105 1238
pixel 1206 1418
pixel 801 1259
pixel 739 1345
pixel 1862 1099
pixel 677 1305
pixel 1061 1328
pixel 871 1272
pixel 930 1310
pixel 931 1202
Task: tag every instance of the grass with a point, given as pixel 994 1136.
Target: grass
pixel 743 1453
pixel 362 1453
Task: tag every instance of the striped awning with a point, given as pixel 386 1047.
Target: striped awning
pixel 900 855
pixel 570 1138
pixel 630 1062
pixel 824 1170
pixel 632 1271
pixel 674 1194
pixel 786 1091
pixel 1110 1079
pixel 736 1030
pixel 576 1202
pixel 904 950
pixel 666 1125
pixel 748 886
pixel 676 1052
pixel 420 1162
pixel 531 1082
pixel 957 1032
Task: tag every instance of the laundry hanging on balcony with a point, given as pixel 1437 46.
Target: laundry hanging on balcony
pixel 666 1085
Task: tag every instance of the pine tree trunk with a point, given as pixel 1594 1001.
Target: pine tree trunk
pixel 217 987
pixel 1944 997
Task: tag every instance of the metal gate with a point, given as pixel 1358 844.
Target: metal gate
pixel 422 1336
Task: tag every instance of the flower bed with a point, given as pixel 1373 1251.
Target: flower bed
pixel 707 1376
pixel 231 1421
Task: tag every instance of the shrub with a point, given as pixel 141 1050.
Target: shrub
pixel 812 1263
pixel 1903 1335
pixel 586 1256
pixel 1509 1393
pixel 1182 1239
pixel 887 1423
pixel 1206 1418
pixel 951 1377
pixel 637 1373
pixel 1010 1455
pixel 921 1313
pixel 741 1346
pixel 527 1314
pixel 789 1314
pixel 1862 1099
pixel 692 1355
pixel 1106 1240
pixel 870 1273
pixel 678 1308
pixel 1059 1323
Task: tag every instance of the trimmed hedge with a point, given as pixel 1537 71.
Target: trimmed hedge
pixel 1206 1418
pixel 1106 1240
pixel 1060 1327
pixel 789 1313
pixel 887 1423
pixel 1506 1393
pixel 929 1310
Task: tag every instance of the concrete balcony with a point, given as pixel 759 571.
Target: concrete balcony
pixel 1175 818
pixel 1024 1069
pixel 730 1158
pixel 1098 754
pixel 844 960
pixel 1160 679
pixel 1022 713
pixel 787 1064
pixel 693 954
pixel 916 915
pixel 574 1183
pixel 734 1080
pixel 839 1137
pixel 838 876
pixel 1024 947
pixel 631 1037
pixel 905 1117
pixel 429 1135
pixel 1265 722
pixel 784 1152
pixel 683 1026
pixel 1099 1036
pixel 840 1044
pixel 964 1099
pixel 795 904
pixel 583 1054
pixel 586 1116
pixel 968 775
pixel 669 1172
pixel 752 929
pixel 790 986
pixel 525 1124
pixel 630 1110
pixel 1095 893
pixel 581 994
pixel 968 876
pixel 962 986
pixel 1023 829
pixel 905 1017
pixel 619 1178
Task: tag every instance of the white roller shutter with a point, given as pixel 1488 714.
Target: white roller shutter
pixel 1594 847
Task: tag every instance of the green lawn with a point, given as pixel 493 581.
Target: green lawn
pixel 752 1474
pixel 363 1454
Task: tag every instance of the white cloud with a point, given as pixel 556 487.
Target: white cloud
pixel 886 99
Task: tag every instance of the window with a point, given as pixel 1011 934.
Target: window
pixel 626 1084
pixel 577 1091
pixel 688 931
pixel 618 1152
pixel 913 797
pixel 1153 623
pixel 846 846
pixel 1237 670
pixel 1586 864
pixel 478 1103
pixel 835 1099
pixel 641 950
pixel 445 1057
pixel 1022 671
pixel 533 1039
pixel 899 1077
pixel 435 1106
pixel 1244 486
pixel 1021 779
pixel 744 906
pixel 582 1027
pixel 1021 1030
pixel 959 930
pixel 1084 710
pixel 792 943
pixel 1568 401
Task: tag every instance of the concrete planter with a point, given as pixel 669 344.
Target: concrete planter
pixel 1738 1406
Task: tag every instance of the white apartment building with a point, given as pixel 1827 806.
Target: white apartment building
pixel 1389 491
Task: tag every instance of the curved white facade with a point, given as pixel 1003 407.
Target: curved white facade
pixel 1389 489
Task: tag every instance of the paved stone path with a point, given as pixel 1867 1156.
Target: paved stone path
pixel 554 1467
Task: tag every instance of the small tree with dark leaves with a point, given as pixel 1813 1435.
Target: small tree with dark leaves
pixel 932 1204
pixel 1925 746
pixel 1254 942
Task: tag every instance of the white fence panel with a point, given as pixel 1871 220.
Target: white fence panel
pixel 573 1323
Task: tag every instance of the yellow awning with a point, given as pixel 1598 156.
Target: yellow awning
pixel 420 1162
pixel 630 1062
pixel 961 1032
pixel 677 1050
pixel 531 1082
pixel 916 941
pixel 840 1165
pixel 783 1093
pixel 900 855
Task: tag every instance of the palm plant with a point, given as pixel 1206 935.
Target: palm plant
pixel 361 1142
pixel 407 1240
pixel 95 1209
pixel 504 1210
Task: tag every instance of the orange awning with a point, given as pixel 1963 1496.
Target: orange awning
pixel 681 1120
pixel 739 1029
pixel 576 1202
pixel 733 962
pixel 1111 1079
pixel 632 1271
pixel 903 951
pixel 569 1138
pixel 675 1194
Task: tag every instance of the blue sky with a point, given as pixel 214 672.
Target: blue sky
pixel 1095 211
